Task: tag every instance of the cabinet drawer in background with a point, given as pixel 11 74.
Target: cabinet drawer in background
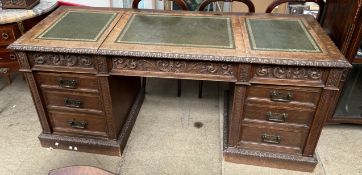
pixel 7 56
pixel 279 114
pixel 67 81
pixel 72 101
pixel 8 34
pixel 76 123
pixel 265 138
pixel 284 94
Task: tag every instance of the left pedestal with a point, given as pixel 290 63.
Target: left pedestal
pixel 78 108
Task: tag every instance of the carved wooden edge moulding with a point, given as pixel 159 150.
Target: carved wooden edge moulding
pixel 293 73
pixel 162 55
pixel 81 140
pixel 174 66
pixel 65 60
pixel 271 155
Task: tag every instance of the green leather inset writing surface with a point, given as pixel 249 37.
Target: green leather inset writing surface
pixel 192 31
pixel 79 25
pixel 280 35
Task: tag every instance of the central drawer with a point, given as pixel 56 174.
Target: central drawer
pixel 77 123
pixel 73 101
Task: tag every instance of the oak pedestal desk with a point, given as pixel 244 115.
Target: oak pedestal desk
pixel 83 66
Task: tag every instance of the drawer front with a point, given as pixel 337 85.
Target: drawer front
pixel 81 102
pixel 67 81
pixel 76 123
pixel 8 34
pixel 56 62
pixel 7 56
pixel 264 138
pixel 284 94
pixel 278 114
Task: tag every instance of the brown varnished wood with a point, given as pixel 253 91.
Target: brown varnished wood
pixel 21 4
pixel 290 141
pixel 295 117
pixel 95 124
pixel 109 83
pixel 248 3
pixel 90 102
pixel 301 96
pixel 343 23
pixel 270 159
pixel 84 82
pixel 274 4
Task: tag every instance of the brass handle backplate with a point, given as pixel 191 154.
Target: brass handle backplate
pixel 281 97
pixel 276 117
pixel 72 103
pixel 274 139
pixel 12 57
pixel 77 124
pixel 70 84
pixel 5 36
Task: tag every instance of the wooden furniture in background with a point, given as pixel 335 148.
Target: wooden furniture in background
pixel 343 23
pixel 276 3
pixel 19 4
pixel 84 86
pixel 13 24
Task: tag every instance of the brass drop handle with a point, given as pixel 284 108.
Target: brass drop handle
pixel 273 139
pixel 77 124
pixel 5 36
pixel 73 103
pixel 69 84
pixel 276 117
pixel 281 97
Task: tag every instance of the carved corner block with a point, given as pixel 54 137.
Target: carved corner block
pixel 23 61
pixel 101 64
pixel 335 78
pixel 244 73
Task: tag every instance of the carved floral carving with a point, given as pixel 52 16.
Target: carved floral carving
pixel 61 60
pixel 174 66
pixel 281 72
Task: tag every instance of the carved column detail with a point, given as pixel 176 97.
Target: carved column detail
pixel 23 60
pixel 102 64
pixel 244 72
pixel 39 105
pixel 334 77
pixel 237 107
pixel 284 72
pixel 324 110
pixel 107 101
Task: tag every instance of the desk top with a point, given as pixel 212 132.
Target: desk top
pixel 244 38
